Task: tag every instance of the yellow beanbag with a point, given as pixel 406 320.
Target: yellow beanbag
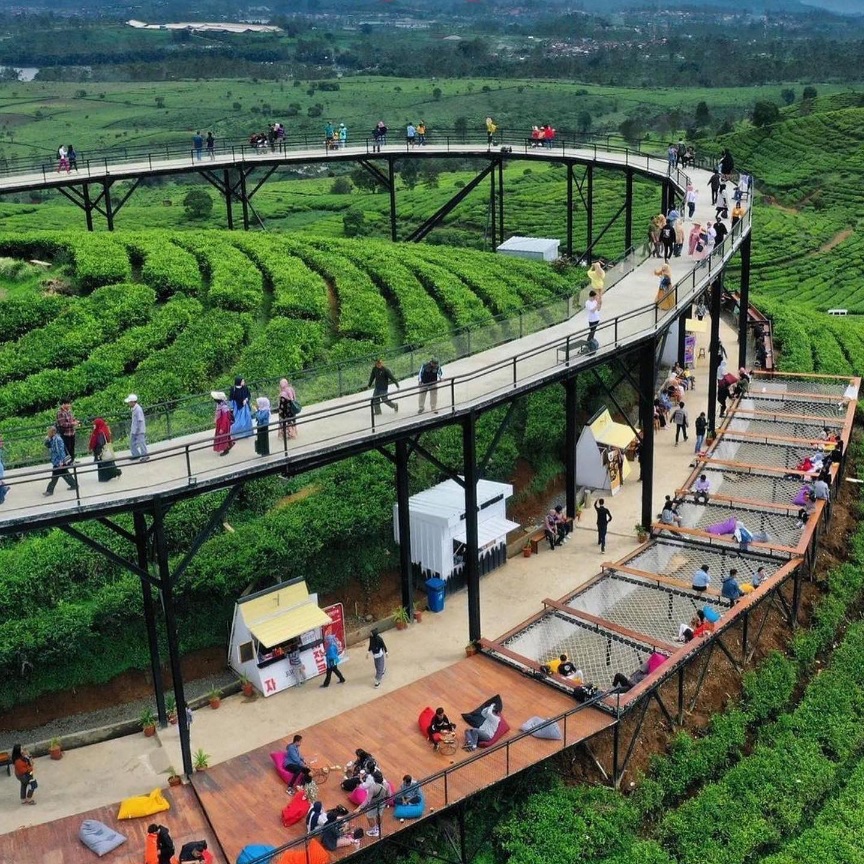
pixel 553 665
pixel 746 588
pixel 143 805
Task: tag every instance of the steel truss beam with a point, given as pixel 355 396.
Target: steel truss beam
pixel 618 770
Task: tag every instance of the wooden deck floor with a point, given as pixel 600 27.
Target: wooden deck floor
pixel 57 842
pixel 242 798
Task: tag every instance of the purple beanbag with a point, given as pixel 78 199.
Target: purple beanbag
pixel 801 498
pixel 720 528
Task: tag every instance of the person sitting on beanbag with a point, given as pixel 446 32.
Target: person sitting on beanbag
pixel 486 731
pixel 439 725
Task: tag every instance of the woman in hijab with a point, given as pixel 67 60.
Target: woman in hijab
pixel 103 453
pixel 239 397
pixel 262 421
pixel 222 441
pixel 287 397
pixel 378 650
pixel 317 818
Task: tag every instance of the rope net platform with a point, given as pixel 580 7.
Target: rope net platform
pixel 634 607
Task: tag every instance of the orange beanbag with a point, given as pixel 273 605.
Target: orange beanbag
pixel 317 855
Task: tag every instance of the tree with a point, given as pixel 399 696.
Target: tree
pixel 160 101
pixel 429 175
pixel 787 94
pixel 808 93
pixel 362 179
pixel 198 204
pixel 765 113
pixel 436 93
pixel 460 127
pixel 703 115
pixel 583 122
pixel 354 222
pixel 341 186
pixel 410 173
pixel 632 129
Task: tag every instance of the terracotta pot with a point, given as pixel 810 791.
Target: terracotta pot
pixel 175 781
pixel 172 719
pixel 249 690
pixel 642 537
pixel 418 615
pixel 526 552
pixel 470 650
pixel 149 731
pixel 401 625
pixel 55 753
pixel 215 703
pixel 200 769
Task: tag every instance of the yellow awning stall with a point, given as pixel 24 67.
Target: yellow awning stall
pixel 611 434
pixel 281 615
pixel 600 453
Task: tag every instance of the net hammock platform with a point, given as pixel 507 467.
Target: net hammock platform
pixel 768 427
pixel 807 405
pixel 829 386
pixel 734 447
pixel 747 486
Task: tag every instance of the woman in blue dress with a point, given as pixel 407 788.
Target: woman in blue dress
pixel 239 398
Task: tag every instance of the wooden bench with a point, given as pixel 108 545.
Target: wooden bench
pixel 536 539
pixel 6 759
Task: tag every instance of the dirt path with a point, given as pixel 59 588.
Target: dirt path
pixel 837 239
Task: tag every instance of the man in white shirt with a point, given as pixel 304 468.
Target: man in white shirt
pixel 138 432
pixel 592 307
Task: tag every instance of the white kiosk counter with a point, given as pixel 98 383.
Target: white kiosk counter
pixel 270 623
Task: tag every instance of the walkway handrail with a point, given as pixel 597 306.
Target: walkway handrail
pixel 650 318
pixel 332 380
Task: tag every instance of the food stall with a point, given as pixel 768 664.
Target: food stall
pixel 269 623
pixel 601 453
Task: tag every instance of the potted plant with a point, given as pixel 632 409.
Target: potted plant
pixel 641 532
pixel 171 709
pixel 215 697
pixel 418 615
pixel 400 618
pixel 248 687
pixel 148 722
pixel 55 749
pixel 526 550
pixel 174 779
pixel 200 760
pixel 470 649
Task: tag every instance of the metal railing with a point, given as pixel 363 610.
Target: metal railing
pixel 341 423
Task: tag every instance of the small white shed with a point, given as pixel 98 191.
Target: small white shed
pixel 267 625
pixel 438 530
pixel 535 248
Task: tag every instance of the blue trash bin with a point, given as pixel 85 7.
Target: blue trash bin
pixel 435 594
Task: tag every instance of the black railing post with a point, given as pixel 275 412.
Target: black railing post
pixel 472 570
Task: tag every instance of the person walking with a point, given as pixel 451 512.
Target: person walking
pixel 343 136
pixel 287 410
pixel 690 199
pixel 72 158
pixel 701 426
pixel 592 307
pixel 604 517
pixel 60 462
pixel 63 156
pixel 331 656
pixel 67 425
pixel 262 426
pixel 103 452
pixel 198 144
pixel 240 399
pixel 679 417
pixel 379 136
pixel 138 431
pixel 222 442
pixel 421 133
pixel 381 377
pixel 679 238
pixel 410 135
pixel 4 489
pixel 491 129
pixel 667 239
pixel 430 374
pixel 23 766
pixel 378 650
pixel 714 186
pixel 211 146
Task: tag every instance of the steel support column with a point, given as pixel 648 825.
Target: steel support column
pixel 500 201
pixel 391 175
pixel 744 301
pixel 472 565
pixel 106 197
pixel 570 436
pixel 244 199
pixel 647 381
pixel 628 212
pixel 141 539
pixel 589 212
pixel 402 496
pixel 569 210
pixel 88 207
pixel 166 589
pixel 226 185
pixel 713 354
pixel 492 215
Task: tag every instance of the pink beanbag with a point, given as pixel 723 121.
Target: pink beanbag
pixel 278 763
pixel 500 732
pixel 358 796
pixel 727 527
pixel 656 660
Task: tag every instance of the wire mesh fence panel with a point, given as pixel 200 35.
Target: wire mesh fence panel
pixel 812 429
pixel 677 560
pixel 791 405
pixel 653 610
pixel 489 766
pixel 771 488
pixel 822 386
pixel 599 654
pixel 774 455
pixel 766 526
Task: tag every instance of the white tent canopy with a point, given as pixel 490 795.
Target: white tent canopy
pixel 438 523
